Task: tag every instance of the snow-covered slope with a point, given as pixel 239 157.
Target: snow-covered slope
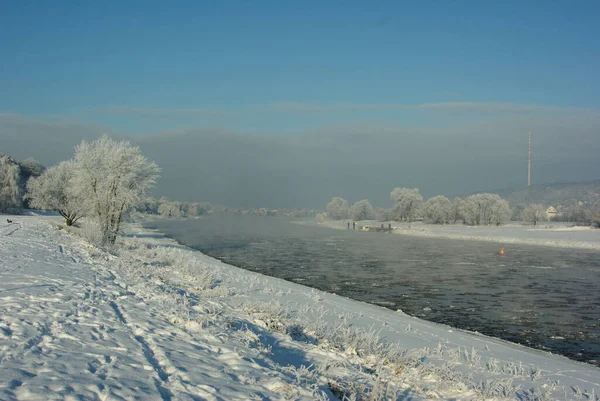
pixel 160 321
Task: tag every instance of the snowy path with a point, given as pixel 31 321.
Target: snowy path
pixel 70 332
pixel 59 322
pixel 162 322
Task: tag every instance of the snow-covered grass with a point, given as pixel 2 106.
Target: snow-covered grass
pixel 546 233
pixel 155 320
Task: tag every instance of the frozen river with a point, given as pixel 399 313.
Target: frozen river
pixel 543 297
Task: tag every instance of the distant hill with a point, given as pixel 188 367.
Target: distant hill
pixel 558 194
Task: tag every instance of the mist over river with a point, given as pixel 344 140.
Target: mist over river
pixel 543 297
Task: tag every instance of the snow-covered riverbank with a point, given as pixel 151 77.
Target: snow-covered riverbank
pixel 161 321
pixel 550 234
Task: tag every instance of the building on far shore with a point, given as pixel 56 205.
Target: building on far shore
pixel 551 212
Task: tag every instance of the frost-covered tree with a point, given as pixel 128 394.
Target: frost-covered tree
pixel 575 214
pixel 196 209
pixel 595 220
pixel 170 209
pixel 205 208
pixel 437 210
pixel 407 202
pixel 10 190
pixel 469 210
pixel 517 211
pixel 30 168
pixel 53 191
pixel 148 206
pixel 191 209
pixel 111 177
pixel 484 209
pixel 362 210
pixel 173 208
pixel 534 213
pixel 337 209
pixel 500 212
pixel 455 215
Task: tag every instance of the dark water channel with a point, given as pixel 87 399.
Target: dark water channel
pixel 546 298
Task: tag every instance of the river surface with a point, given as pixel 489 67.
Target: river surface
pixel 542 297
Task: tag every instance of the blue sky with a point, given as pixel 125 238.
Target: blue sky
pixel 256 103
pixel 140 66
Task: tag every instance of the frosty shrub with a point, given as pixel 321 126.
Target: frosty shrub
pixel 271 315
pixel 111 177
pixel 91 232
pixel 191 272
pixel 52 191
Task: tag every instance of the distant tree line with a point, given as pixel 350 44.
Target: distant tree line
pixel 576 203
pixel 175 209
pixel 168 208
pixel 576 214
pixel 106 179
pixel 475 210
pixel 579 214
